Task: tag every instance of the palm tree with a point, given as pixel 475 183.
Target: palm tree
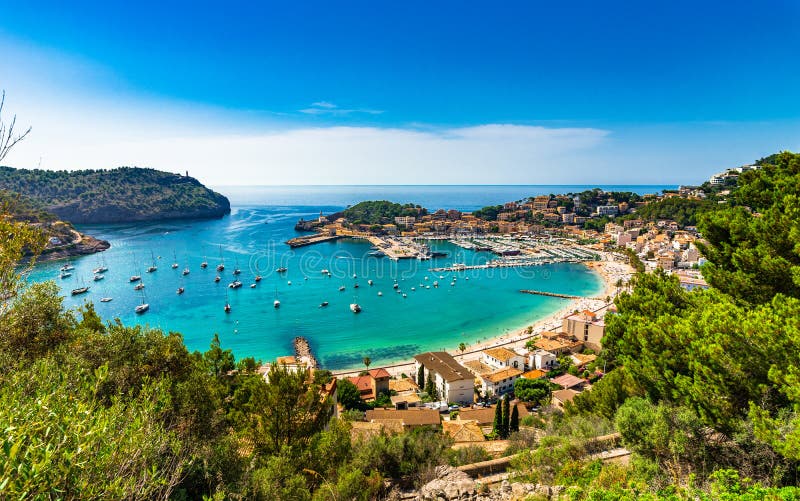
pixel 462 347
pixel 367 361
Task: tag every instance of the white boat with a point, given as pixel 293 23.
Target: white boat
pixel 99 270
pixel 186 271
pixel 67 267
pixel 180 291
pixel 98 277
pixel 355 276
pixel 395 286
pixel 217 278
pixel 138 287
pixel 323 304
pixel 435 283
pixel 466 278
pixel 227 308
pixel 369 281
pixel 65 274
pixel 142 308
pixel 405 295
pixel 325 272
pixel 426 278
pixel 252 286
pixel 341 288
pixel 135 278
pixel 153 266
pixel 174 261
pixel 282 269
pixel 276 303
pixel 80 290
pixel 289 282
pixel 380 293
pixel 413 288
pixel 355 308
pixel 235 284
pixel 106 299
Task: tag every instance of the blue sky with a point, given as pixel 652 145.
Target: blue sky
pixel 404 92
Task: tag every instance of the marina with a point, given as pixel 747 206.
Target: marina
pixel 478 304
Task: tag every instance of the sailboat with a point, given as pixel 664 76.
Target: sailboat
pixel 65 274
pixel 355 308
pixel 138 286
pixel 221 265
pixel 186 271
pixel 143 307
pixel 98 277
pixel 276 303
pixel 174 261
pixel 236 269
pixel 83 289
pixel 135 278
pixel 204 264
pixel 101 269
pixel 67 267
pixel 152 266
pixel 227 304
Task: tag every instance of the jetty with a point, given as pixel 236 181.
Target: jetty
pixel 302 351
pixel 553 294
pixel 310 240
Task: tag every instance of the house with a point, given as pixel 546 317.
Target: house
pixel 372 384
pixel 502 357
pixel 558 343
pixel 463 431
pixel 542 359
pixel 484 416
pixel 580 361
pixel 585 326
pixel 500 381
pixel 401 402
pixel 409 419
pixel 568 381
pixel 453 381
pixel 534 374
pixel 561 397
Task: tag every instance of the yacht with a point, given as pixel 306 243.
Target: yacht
pixel 174 261
pixel 252 286
pixel 227 308
pixel 369 282
pixel 355 286
pixel 138 287
pixel 217 278
pixel 289 282
pixel 180 291
pixel 355 308
pixel 106 299
pixel 80 290
pixel 323 304
pixel 204 264
pixel 142 308
pixel 395 286
pixel 282 269
pixel 277 302
pixel 153 266
pixel 135 278
pixel 67 267
pixel 65 274
pixel 186 271
pixel 435 283
pixel 235 284
pixel 341 288
pixel 258 278
pixel 99 270
pixel 98 277
pixel 405 295
pixel 380 293
pixel 325 272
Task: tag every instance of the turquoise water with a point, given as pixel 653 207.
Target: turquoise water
pixel 482 304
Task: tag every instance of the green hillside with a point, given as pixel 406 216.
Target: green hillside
pixel 116 195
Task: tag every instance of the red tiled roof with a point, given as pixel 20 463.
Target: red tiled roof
pixel 379 373
pixel 567 381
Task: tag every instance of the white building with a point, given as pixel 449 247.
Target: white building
pixel 607 210
pixel 500 382
pixel 500 358
pixel 541 359
pixel 405 220
pixel 453 381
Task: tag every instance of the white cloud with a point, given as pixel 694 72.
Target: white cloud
pixel 327 108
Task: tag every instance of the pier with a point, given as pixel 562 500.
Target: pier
pixel 553 294
pixel 310 240
pixel 302 351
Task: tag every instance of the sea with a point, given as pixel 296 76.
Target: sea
pixel 466 307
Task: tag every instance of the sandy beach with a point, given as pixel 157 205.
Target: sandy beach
pixel 611 272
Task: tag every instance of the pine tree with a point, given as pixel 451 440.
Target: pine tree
pixel 513 421
pixel 497 425
pixel 506 415
pixel 421 376
pixel 430 388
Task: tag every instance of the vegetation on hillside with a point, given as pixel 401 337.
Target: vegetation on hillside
pixel 704 386
pixel 380 212
pixel 684 211
pixel 122 194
